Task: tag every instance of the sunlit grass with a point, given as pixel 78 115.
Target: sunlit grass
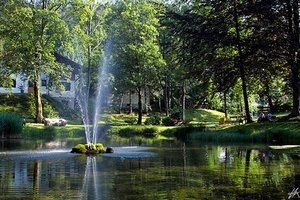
pixel 273 132
pixel 32 130
pixel 203 116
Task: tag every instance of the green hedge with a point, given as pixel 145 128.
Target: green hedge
pixel 138 131
pixel 10 124
pixel 153 120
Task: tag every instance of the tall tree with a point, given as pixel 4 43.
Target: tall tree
pixel 135 45
pixel 294 43
pixel 86 20
pixel 30 31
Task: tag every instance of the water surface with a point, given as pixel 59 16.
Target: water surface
pixel 166 171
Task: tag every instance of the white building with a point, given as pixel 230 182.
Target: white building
pixel 21 84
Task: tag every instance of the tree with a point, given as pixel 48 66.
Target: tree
pixel 30 31
pixel 86 19
pixel 135 46
pixel 294 43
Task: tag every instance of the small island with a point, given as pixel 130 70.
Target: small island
pixel 91 149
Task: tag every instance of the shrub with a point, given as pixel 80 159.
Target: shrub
pixel 138 131
pixel 10 124
pixel 176 115
pixel 168 121
pixel 149 132
pixel 153 120
pixel 79 148
pixel 49 111
pixel 130 120
pixel 88 148
pixel 31 107
pixel 100 148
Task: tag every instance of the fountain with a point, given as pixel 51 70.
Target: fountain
pixel 91 118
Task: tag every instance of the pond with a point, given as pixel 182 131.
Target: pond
pixel 168 170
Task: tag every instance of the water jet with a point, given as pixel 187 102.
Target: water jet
pixel 90 105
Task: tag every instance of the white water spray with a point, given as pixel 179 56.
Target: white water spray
pixel 91 123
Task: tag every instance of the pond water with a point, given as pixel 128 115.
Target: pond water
pixel 168 170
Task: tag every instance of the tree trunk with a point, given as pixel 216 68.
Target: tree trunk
pixel 167 99
pixel 121 104
pixel 159 104
pixel 225 105
pixel 140 106
pixel 183 102
pixel 38 99
pixel 241 65
pixel 130 102
pixel 146 101
pixel 293 22
pixel 271 105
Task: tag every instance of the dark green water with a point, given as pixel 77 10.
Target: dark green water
pixel 170 170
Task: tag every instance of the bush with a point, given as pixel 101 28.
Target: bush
pixel 31 107
pixel 49 111
pixel 168 121
pixel 176 115
pixel 149 132
pixel 153 120
pixel 130 120
pixel 138 131
pixel 10 124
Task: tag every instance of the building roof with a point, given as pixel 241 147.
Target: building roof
pixel 66 61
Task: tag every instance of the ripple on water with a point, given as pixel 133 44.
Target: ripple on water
pixel 37 154
pixel 130 152
pixel 119 152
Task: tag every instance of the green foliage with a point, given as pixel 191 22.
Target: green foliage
pixel 138 131
pixel 24 105
pixel 137 58
pixel 203 116
pixel 29 43
pixel 86 22
pixel 153 120
pixel 31 107
pixel 10 124
pixel 81 148
pixel 41 132
pixel 17 103
pixel 269 133
pixel 168 121
pixel 60 109
pixel 100 148
pixel 88 148
pixel 49 111
pixel 130 120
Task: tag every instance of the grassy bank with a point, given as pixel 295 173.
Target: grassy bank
pixel 23 105
pixel 270 133
pixel 124 126
pixel 39 131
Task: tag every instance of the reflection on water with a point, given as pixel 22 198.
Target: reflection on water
pixel 173 171
pixel 90 180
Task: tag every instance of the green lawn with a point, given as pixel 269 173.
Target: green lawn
pixel 203 116
pixel 124 125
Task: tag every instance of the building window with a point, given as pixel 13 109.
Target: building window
pixel 44 83
pixel 67 86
